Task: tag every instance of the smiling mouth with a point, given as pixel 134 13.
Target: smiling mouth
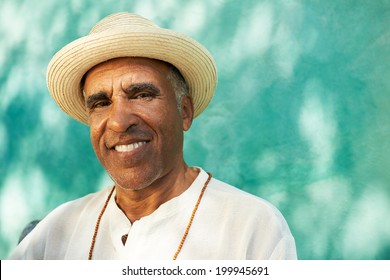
pixel 130 147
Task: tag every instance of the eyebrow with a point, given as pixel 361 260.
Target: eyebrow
pixel 101 95
pixel 142 86
pixel 95 97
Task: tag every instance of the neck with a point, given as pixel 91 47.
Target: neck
pixel 140 203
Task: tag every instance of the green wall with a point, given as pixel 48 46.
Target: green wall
pixel 301 116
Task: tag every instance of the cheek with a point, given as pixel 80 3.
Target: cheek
pixel 95 136
pixel 172 130
pixel 93 140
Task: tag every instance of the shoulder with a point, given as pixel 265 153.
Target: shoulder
pixel 90 201
pixel 57 227
pixel 247 210
pixel 258 223
pixel 242 201
pixel 75 209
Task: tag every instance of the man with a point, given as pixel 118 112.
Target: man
pixel 138 87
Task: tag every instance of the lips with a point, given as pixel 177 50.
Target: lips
pixel 129 147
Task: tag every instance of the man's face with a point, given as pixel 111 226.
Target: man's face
pixel 136 128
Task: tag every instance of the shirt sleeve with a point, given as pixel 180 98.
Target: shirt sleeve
pixel 285 249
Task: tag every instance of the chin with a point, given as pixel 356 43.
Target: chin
pixel 134 183
pixel 127 188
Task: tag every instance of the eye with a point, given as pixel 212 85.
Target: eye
pixel 101 104
pixel 145 95
pixel 97 100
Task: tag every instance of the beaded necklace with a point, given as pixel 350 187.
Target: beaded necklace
pixel 184 235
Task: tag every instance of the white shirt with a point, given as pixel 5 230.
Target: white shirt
pixel 229 224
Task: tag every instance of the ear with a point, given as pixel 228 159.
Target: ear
pixel 187 112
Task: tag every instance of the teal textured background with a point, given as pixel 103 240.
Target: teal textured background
pixel 301 116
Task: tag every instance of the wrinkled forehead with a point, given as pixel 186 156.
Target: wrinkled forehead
pixel 126 61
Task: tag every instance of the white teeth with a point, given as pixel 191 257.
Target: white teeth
pixel 129 148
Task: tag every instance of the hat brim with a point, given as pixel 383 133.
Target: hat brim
pixel 69 65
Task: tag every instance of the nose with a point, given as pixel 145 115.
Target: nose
pixel 121 117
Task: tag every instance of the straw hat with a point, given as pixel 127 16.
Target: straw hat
pixel 129 35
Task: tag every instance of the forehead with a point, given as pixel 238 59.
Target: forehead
pixel 127 65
